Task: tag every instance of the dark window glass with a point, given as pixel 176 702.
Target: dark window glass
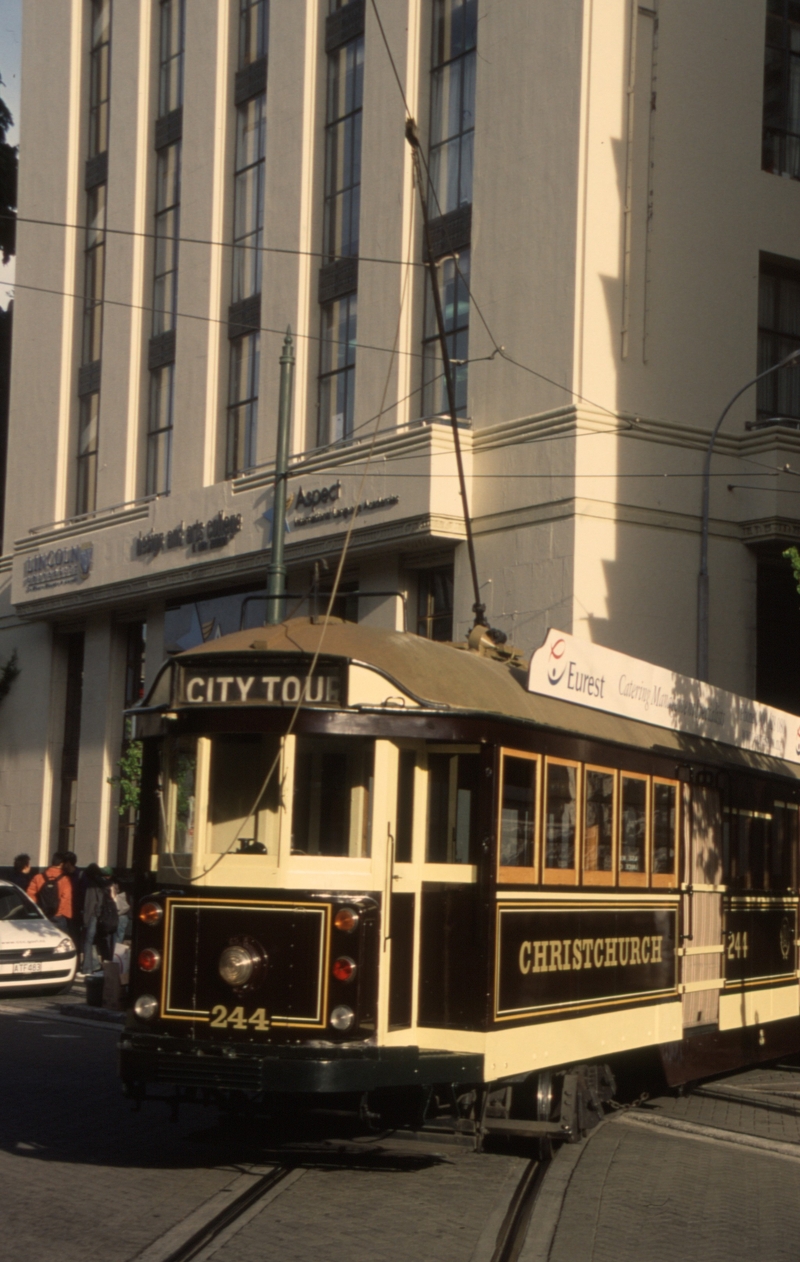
pixel 159 434
pixel 243 404
pixel 343 149
pixel 781 129
pixel 455 32
pixel 248 212
pixel 94 275
pixel 454 296
pixel 15 906
pixel 560 815
pixel 598 832
pixel 435 603
pixel 518 812
pixel 253 31
pixel 337 370
pixel 332 796
pixel 633 836
pixel 405 805
pixel 170 83
pixel 168 196
pixel 237 799
pixel 665 805
pixel 99 75
pixel 88 431
pixel 452 807
pixel 778 336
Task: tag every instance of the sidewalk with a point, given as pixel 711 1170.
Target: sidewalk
pixel 699 1177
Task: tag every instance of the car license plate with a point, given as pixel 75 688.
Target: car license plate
pixel 27 966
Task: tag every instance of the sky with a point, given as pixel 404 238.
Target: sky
pixel 10 33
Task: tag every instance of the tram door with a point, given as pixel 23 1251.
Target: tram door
pixel 702 906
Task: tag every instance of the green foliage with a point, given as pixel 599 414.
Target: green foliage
pixel 130 773
pixel 8 674
pixel 792 555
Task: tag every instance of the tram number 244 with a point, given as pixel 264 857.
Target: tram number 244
pixel 737 946
pixel 222 1017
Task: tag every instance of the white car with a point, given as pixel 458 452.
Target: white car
pixel 33 952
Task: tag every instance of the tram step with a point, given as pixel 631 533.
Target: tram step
pixel 520 1126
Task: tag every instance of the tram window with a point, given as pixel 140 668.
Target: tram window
pixel 561 801
pixel 332 800
pixel 633 828
pixel 452 807
pixel 241 822
pixel 407 766
pixel 518 813
pixel 665 828
pixel 178 797
pixel 598 826
pixel 783 846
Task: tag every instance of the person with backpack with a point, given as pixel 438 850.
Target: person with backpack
pixel 51 890
pixel 100 920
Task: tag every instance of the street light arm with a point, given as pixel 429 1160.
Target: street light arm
pixel 702 578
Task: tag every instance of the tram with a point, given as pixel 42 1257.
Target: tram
pixel 376 866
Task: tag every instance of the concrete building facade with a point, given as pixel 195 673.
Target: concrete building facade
pixel 614 189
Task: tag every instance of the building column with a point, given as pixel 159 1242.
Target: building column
pixel 101 738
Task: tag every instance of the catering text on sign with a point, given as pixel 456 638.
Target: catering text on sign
pixel 588 674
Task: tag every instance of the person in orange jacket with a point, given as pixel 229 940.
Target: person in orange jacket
pixel 52 890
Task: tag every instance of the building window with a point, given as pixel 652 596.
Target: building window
pixel 248 235
pixel 86 497
pixel 99 77
pixel 340 233
pixel 455 33
pixel 778 336
pixel 343 149
pixel 337 369
pixel 781 136
pixel 435 603
pixel 170 82
pixel 243 404
pixel 248 215
pixel 168 196
pixel 159 432
pixel 253 31
pixel 454 297
pixel 94 275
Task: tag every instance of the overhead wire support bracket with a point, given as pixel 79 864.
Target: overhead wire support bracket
pixel 412 136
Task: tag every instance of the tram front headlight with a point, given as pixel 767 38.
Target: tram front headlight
pixel 151 913
pixel 342 1017
pixel 146 1007
pixel 346 919
pixel 236 965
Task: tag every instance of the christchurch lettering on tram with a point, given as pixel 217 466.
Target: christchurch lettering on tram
pixel 565 954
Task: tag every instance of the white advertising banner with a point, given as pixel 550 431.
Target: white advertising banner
pixel 587 674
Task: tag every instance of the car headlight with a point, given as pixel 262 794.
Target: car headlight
pixel 64 947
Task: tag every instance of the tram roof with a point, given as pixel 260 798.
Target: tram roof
pixel 447 677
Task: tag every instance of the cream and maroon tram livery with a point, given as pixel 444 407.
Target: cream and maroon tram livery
pixel 423 864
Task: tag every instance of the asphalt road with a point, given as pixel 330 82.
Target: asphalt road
pixel 84 1176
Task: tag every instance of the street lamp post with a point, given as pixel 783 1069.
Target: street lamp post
pixel 702 578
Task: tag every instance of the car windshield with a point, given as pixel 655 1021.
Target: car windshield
pixel 15 906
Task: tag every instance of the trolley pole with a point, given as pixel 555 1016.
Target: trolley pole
pixel 276 570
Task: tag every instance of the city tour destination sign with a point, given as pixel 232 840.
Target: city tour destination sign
pixel 590 675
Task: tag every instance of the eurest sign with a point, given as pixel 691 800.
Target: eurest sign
pixel 588 674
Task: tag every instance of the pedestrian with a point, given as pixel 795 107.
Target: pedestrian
pixel 100 920
pixel 52 891
pixel 71 870
pixel 123 911
pixel 22 874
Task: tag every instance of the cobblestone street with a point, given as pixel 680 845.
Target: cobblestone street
pixel 714 1174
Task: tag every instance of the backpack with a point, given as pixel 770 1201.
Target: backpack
pixel 48 897
pixel 107 914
